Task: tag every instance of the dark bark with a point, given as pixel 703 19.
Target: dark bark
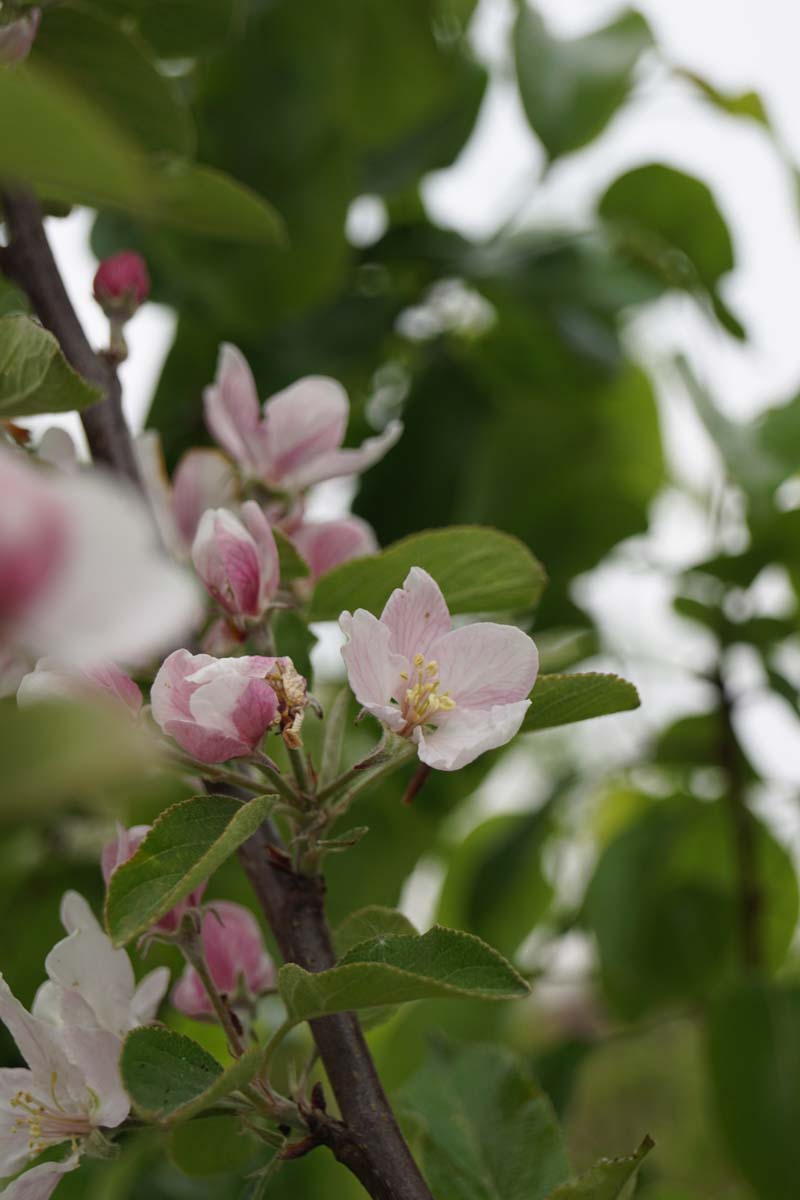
pixel 368 1140
pixel 28 260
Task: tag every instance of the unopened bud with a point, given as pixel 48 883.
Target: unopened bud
pixel 121 284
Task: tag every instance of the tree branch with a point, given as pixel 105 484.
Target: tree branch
pixel 28 260
pixel 368 1140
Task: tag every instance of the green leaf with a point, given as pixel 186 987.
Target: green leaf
pixel 175 28
pixel 34 375
pixel 113 72
pixel 609 1179
pixel 54 140
pixel 203 200
pixel 737 104
pixel 484 1129
pixel 211 1145
pixel 335 721
pixel 367 924
pixel 478 570
pixel 232 1079
pixel 755 1069
pixel 563 699
pixel 443 963
pixel 163 1071
pixel 293 565
pixel 571 89
pixel 186 844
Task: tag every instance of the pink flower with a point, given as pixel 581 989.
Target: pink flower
pixel 17 37
pixel 326 544
pixel 203 479
pixel 215 708
pixel 122 283
pixel 455 692
pixel 237 560
pixel 124 846
pixel 235 956
pixel 82 576
pixel 51 680
pixel 298 441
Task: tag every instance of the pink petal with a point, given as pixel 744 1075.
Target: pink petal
pixel 373 669
pixel 255 711
pixel 172 689
pixel 269 567
pixel 335 463
pixel 202 479
pixel 190 997
pixel 124 846
pixel 232 410
pixel 227 561
pixel 464 734
pixel 117 685
pixel 35 536
pixel 326 544
pixel 416 614
pixel 303 422
pixel 485 664
pixel 206 745
pixel 234 946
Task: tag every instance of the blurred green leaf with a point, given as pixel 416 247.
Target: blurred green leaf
pixel 755 1069
pixel 203 200
pixel 696 742
pixel 609 1179
pixel 483 1128
pixel 367 924
pixel 176 28
pixel 163 1071
pixel 184 847
pixel 394 970
pixel 212 1145
pixel 478 570
pixel 293 565
pixel 571 89
pixel 34 375
pixel 735 104
pixel 563 699
pixel 113 72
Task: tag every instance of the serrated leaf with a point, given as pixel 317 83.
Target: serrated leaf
pixel 608 1179
pixel 163 1071
pixel 34 375
pixel 443 963
pixel 186 844
pixel 564 699
pixel 478 570
pixel 232 1079
pixel 373 922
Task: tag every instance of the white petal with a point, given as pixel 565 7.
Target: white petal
pixel 373 669
pixel 40 1181
pixel 465 734
pixel 485 664
pixel 148 995
pixel 334 464
pixel 87 963
pixel 40 1045
pixel 416 614
pixel 75 914
pixel 13 1136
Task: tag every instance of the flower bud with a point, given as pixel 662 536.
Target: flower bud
pixel 121 284
pixel 215 708
pixel 236 958
pixel 237 560
pixel 51 680
pixel 124 846
pixel 17 37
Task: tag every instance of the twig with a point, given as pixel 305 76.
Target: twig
pixel 28 260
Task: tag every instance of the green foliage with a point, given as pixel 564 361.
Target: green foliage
pixel 609 1179
pixel 366 924
pixel 563 699
pixel 755 1068
pixel 571 89
pixel 478 570
pixel 394 970
pixel 186 844
pixel 483 1128
pixel 162 1071
pixel 234 1077
pixel 211 1145
pixel 34 375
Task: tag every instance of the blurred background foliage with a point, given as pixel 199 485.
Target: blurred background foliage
pixel 651 896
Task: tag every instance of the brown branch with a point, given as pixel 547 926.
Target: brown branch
pixel 28 260
pixel 367 1140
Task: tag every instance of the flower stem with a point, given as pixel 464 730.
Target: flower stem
pixel 192 948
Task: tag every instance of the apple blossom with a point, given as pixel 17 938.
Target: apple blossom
pixel 455 692
pixel 326 544
pixel 298 440
pixel 215 708
pixel 124 846
pixel 237 560
pixel 82 577
pixel 236 958
pixel 202 479
pixel 17 37
pixel 51 680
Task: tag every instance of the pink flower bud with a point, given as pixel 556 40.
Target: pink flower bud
pixel 215 708
pixel 122 283
pixel 17 37
pixel 326 544
pixel 236 957
pixel 237 560
pixel 124 846
pixel 51 680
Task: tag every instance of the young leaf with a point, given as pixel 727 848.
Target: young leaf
pixel 34 375
pixel 186 844
pixel 485 1130
pixel 335 718
pixel 202 200
pixel 563 699
pixel 608 1179
pixel 478 570
pixel 163 1071
pixel 443 963
pixel 232 1079
pixel 371 923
